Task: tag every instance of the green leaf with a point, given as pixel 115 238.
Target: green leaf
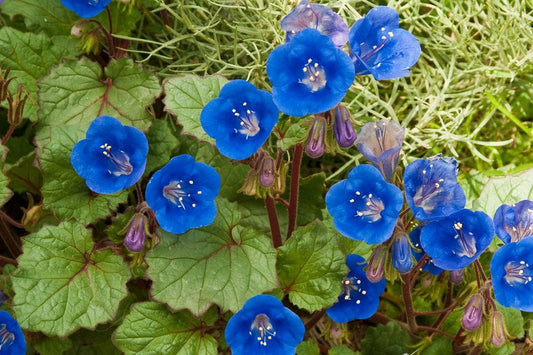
pixel 295 134
pixel 25 176
pixel 310 199
pixel 185 98
pixel 161 144
pixel 150 328
pixel 440 346
pixel 311 267
pixel 30 57
pixel 505 349
pixel 52 346
pixel 308 347
pixel 5 193
pixel 342 350
pixel 223 263
pixel 63 190
pixel 63 284
pixel 514 322
pixel 389 339
pixel 93 342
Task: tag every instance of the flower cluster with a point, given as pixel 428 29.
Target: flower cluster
pixel 86 8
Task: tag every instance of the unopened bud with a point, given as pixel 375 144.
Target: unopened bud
pixel 376 265
pixel 315 142
pixel 281 179
pixel 401 254
pixel 343 128
pixel 136 235
pixel 32 216
pixel 4 83
pixel 456 276
pixel 77 30
pixel 267 171
pixel 250 183
pixel 473 313
pixel 497 337
pixel 16 106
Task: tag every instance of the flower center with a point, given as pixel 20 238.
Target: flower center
pixel 248 122
pixel 367 52
pixel 93 2
pixel 350 286
pixel 431 186
pixel 467 243
pixel 525 226
pixel 6 337
pixel 517 273
pixel 178 193
pixel 261 329
pixel 119 162
pixel 314 76
pixel 368 207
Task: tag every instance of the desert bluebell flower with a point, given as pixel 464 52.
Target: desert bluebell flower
pixel 360 297
pixel 264 326
pixel 112 157
pixel 182 194
pixel 419 253
pixel 240 119
pixel 86 8
pixel 514 223
pixel 309 74
pixel 365 206
pixel 12 341
pixel 379 47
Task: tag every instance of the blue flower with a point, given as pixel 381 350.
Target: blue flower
pixel 240 119
pixel 364 207
pixel 182 194
pixel 360 297
pixel 514 223
pixel 86 8
pixel 512 274
pixel 319 17
pixel 401 254
pixel 379 47
pixel 112 157
pixel 12 341
pixel 381 142
pixel 309 74
pixel 431 188
pixel 418 252
pixel 454 242
pixel 264 326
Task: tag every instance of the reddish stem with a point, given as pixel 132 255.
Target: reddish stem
pixel 274 223
pixel 8 134
pixel 295 187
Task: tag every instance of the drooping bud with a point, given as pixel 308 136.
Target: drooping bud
pixel 401 254
pixel 473 313
pixel 4 83
pixel 267 171
pixel 343 127
pixel 498 329
pixel 376 265
pixel 78 28
pixel 315 142
pixel 456 276
pixel 16 106
pixel 136 235
pixel 250 183
pixel 281 179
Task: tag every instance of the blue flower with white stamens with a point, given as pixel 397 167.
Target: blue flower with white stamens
pixel 514 223
pixel 360 297
pixel 418 252
pixel 264 326
pixel 112 157
pixel 182 194
pixel 12 341
pixel 86 8
pixel 240 119
pixel 364 206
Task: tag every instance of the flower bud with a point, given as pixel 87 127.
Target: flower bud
pixel 4 83
pixel 473 313
pixel 281 179
pixel 250 183
pixel 343 128
pixel 77 29
pixel 456 276
pixel 32 216
pixel 401 254
pixel 267 171
pixel 136 235
pixel 376 265
pixel 498 329
pixel 315 142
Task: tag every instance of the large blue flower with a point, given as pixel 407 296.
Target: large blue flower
pixel 264 326
pixel 309 74
pixel 12 341
pixel 86 8
pixel 240 119
pixel 418 252
pixel 431 188
pixel 182 194
pixel 379 47
pixel 512 272
pixel 112 157
pixel 360 297
pixel 514 223
pixel 365 206
pixel 454 242
pixel 320 17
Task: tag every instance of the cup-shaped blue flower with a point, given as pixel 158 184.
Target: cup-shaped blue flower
pixel 381 142
pixel 320 17
pixel 511 268
pixel 418 252
pixel 86 8
pixel 182 194
pixel 12 341
pixel 379 47
pixel 514 223
pixel 360 297
pixel 401 254
pixel 364 206
pixel 431 188
pixel 454 242
pixel 264 326
pixel 309 74
pixel 240 119
pixel 112 157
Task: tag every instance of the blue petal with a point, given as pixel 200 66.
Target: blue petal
pixel 18 345
pixel 86 8
pixel 514 223
pixel 419 252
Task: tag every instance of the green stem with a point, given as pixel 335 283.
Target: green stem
pixel 274 223
pixel 295 187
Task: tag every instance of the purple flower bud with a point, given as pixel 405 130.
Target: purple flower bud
pixel 498 329
pixel 456 276
pixel 267 172
pixel 381 142
pixel 376 265
pixel 401 254
pixel 315 142
pixel 3 296
pixel 473 313
pixel 343 128
pixel 136 235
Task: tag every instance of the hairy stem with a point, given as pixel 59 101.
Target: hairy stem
pixel 273 220
pixel 295 187
pixel 408 301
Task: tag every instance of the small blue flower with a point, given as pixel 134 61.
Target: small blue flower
pixel 12 341
pixel 182 194
pixel 240 119
pixel 381 142
pixel 514 223
pixel 418 253
pixel 512 274
pixel 365 206
pixel 86 8
pixel 309 74
pixel 454 242
pixel 264 326
pixel 379 47
pixel 401 254
pixel 112 157
pixel 319 17
pixel 360 297
pixel 431 188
